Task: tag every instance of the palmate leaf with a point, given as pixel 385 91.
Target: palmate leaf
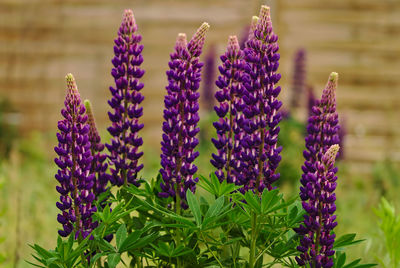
pixel 268 199
pixel 215 187
pixel 253 201
pixel 215 208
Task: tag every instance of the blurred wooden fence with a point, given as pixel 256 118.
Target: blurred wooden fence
pixel 42 40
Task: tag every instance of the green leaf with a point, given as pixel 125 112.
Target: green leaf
pixel 206 184
pixel 253 201
pixel 194 206
pixel 121 235
pixel 163 249
pixel 215 183
pixel 346 240
pixel 168 213
pixel 180 251
pixel 132 238
pixel 215 208
pixel 142 242
pixel 98 256
pixel 340 259
pixel 113 259
pixel 106 213
pixel 352 264
pixel 267 199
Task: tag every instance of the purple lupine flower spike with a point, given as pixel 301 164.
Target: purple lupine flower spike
pixel 74 162
pixel 99 166
pixel 209 78
pixel 125 103
pixel 181 117
pixel 316 245
pixel 260 157
pixel 229 111
pixel 299 78
pixel 318 180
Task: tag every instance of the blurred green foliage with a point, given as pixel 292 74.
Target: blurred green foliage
pixel 291 138
pixel 389 225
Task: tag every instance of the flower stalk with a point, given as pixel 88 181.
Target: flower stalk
pixel 125 103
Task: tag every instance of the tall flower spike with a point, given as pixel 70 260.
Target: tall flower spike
pixel 299 78
pixel 319 181
pixel 74 162
pixel 181 118
pixel 125 103
pixel 229 111
pixel 261 156
pixel 98 167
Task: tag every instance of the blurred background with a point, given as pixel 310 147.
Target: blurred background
pixel 43 40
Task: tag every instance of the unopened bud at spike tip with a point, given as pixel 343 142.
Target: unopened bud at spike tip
pixel 329 93
pixel 233 43
pixel 88 106
pixel 89 112
pixel 181 41
pixel 197 42
pixel 201 32
pixel 264 17
pixel 333 77
pixel 128 17
pixel 71 83
pixel 253 26
pixel 69 77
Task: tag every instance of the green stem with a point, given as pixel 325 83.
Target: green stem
pixel 270 245
pixel 253 242
pixel 212 252
pixel 177 232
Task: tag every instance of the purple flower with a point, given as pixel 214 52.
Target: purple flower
pixel 125 102
pixel 299 78
pixel 260 157
pixel 229 111
pixel 319 181
pixel 181 117
pixel 209 78
pixel 74 162
pixel 98 167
